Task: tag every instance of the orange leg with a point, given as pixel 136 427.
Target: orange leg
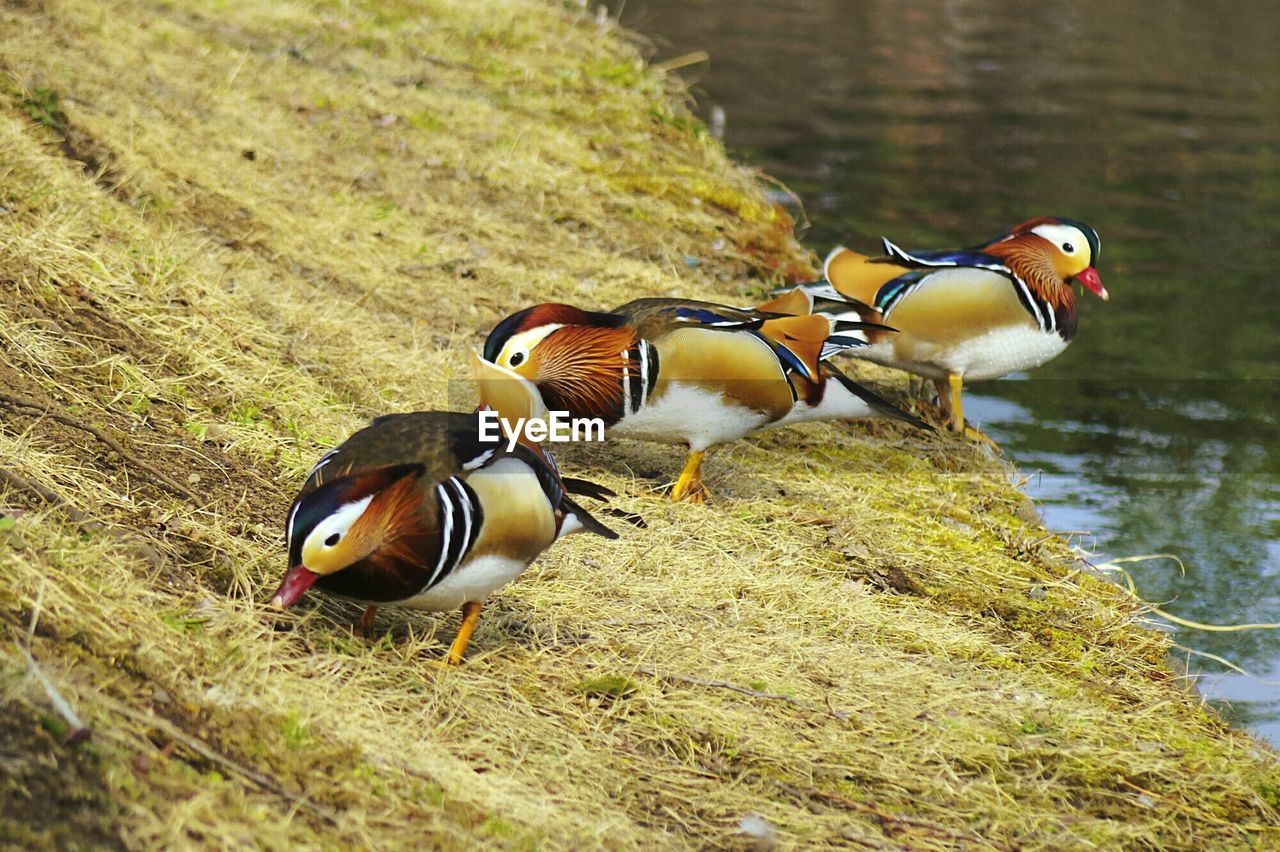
pixel 365 626
pixel 470 615
pixel 690 486
pixel 949 396
pixel 957 404
pixel 949 400
pixel 944 398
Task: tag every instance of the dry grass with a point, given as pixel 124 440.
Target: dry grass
pixel 232 231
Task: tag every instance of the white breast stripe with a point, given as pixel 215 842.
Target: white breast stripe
pixel 464 503
pixel 644 372
pixel 457 529
pixel 1030 299
pixel 446 533
pixel 626 382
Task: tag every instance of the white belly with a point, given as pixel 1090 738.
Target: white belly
pixel 1005 350
pixel 987 356
pixel 688 414
pixel 474 580
pixel 836 404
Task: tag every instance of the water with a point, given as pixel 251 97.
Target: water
pixel 939 124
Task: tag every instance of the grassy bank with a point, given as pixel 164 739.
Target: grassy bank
pixel 231 232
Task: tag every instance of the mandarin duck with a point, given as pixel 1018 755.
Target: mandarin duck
pixel 975 313
pixel 681 371
pixel 425 511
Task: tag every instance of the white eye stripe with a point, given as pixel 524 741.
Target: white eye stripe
pixel 1063 236
pixel 525 342
pixel 339 522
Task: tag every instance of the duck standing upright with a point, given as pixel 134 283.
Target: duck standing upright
pixel 682 371
pixel 975 313
pixel 421 511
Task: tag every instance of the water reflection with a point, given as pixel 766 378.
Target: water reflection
pixel 941 123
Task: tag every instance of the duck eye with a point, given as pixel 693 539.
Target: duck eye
pixel 1068 248
pixel 332 540
pixel 517 359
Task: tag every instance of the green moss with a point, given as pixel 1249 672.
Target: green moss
pixel 246 414
pixel 39 103
pixel 427 121
pixel 431 794
pixel 1270 792
pixel 296 732
pixel 53 725
pixel 181 622
pixel 606 686
pixel 627 73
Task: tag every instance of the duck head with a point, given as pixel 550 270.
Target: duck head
pixel 346 522
pixel 1053 249
pixel 574 358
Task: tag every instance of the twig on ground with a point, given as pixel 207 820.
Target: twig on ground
pixel 45 411
pixel 48 495
pixel 1196 813
pixel 842 715
pixel 888 820
pixel 77 730
pixel 139 547
pixel 543 634
pixel 211 754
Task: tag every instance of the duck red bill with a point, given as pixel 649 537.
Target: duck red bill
pixel 1089 278
pixel 295 582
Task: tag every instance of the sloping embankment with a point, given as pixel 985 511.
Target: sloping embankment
pixel 232 231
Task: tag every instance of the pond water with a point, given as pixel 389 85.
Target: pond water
pixel 940 123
